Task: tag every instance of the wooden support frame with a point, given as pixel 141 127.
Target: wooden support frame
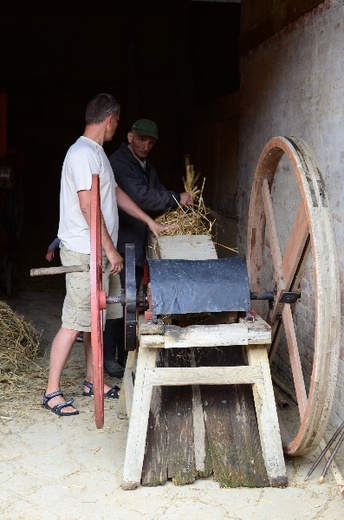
pixel 255 336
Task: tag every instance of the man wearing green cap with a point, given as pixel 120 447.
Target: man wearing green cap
pixel 139 179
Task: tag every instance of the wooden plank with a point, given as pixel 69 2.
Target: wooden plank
pixel 231 427
pixel 170 442
pixel 181 376
pixel 220 335
pixel 202 461
pixel 136 439
pixel 180 440
pixel 127 387
pixel 233 451
pixel 202 454
pixel 267 419
pixel 184 247
pixel 62 269
pixel 154 469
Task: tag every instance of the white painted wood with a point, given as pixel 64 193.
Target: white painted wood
pixel 257 373
pixel 127 387
pixel 267 419
pixel 134 453
pixel 184 376
pixel 198 429
pixel 198 424
pixel 209 336
pixel 185 247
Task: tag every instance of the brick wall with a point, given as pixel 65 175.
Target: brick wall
pixel 293 85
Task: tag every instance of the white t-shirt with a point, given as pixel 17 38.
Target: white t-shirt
pixel 84 158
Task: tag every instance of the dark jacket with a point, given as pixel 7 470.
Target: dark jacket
pixel 144 188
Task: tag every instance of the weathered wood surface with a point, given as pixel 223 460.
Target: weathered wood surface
pixel 61 269
pixel 209 335
pixel 308 239
pixel 198 431
pixel 193 414
pixel 169 450
pixel 233 438
pixel 231 427
pixel 183 247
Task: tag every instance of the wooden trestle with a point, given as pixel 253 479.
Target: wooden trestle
pixel 199 397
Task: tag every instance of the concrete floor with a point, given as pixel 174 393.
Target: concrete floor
pixel 64 468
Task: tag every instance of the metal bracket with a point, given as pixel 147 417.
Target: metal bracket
pixel 290 297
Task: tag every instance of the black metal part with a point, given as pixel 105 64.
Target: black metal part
pixel 193 286
pixel 264 295
pixel 116 299
pixel 290 297
pixel 130 320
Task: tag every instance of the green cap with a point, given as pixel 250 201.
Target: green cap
pixel 145 127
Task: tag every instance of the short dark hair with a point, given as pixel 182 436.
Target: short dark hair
pixel 100 107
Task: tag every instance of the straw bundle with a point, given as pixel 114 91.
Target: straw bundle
pixel 191 177
pixel 19 342
pixel 191 220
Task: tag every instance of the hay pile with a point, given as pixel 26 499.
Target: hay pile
pixel 191 220
pixel 19 344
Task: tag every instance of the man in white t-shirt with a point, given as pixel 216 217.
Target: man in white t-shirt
pixel 83 159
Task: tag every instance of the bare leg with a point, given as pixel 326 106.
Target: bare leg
pixel 60 350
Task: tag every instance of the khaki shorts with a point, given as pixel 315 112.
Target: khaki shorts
pixel 76 311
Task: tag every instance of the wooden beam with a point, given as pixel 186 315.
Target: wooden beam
pixel 183 376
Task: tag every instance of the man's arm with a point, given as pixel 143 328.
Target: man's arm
pixel 111 252
pixel 128 205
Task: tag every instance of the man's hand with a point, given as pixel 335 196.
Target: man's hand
pixel 115 260
pixel 157 228
pixel 50 255
pixel 187 198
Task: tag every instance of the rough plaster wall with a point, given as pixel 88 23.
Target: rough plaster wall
pixel 293 85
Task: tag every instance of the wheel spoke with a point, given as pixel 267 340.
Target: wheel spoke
pixel 297 244
pixel 296 252
pixel 295 361
pixel 271 225
pixel 294 257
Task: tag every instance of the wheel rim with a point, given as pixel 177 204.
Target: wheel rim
pixel 310 241
pixel 97 304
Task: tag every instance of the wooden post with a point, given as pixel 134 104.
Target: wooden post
pixel 267 419
pixel 135 450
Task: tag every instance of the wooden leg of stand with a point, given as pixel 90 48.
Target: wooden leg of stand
pixel 267 418
pixel 127 388
pixel 137 432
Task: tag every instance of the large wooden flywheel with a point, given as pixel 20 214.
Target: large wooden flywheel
pixel 291 251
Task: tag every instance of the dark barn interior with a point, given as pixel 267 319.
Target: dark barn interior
pixel 221 78
pixel 160 58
